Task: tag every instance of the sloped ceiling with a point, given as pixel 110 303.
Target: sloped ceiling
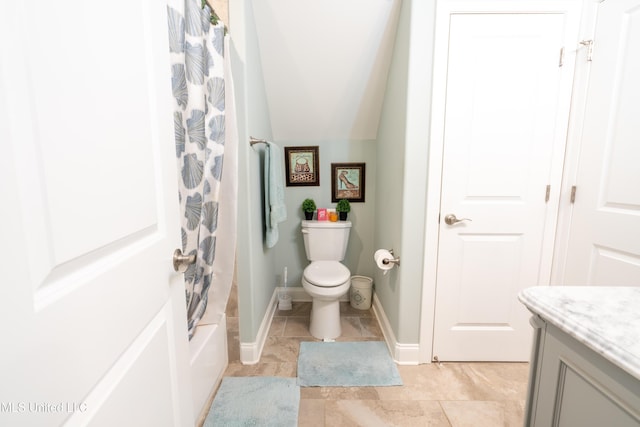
pixel 325 65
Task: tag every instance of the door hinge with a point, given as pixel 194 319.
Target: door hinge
pixel 561 57
pixel 589 45
pixel 547 193
pixel 573 194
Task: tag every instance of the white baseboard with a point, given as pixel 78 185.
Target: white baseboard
pixel 297 293
pixel 402 354
pixel 250 352
pixel 300 295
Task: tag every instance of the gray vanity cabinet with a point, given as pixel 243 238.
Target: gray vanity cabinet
pixel 573 386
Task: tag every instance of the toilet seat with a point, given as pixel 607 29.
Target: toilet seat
pixel 326 274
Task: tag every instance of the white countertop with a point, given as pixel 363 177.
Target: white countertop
pixel 605 319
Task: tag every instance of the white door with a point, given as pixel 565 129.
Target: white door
pixel 92 316
pixel 508 90
pixel 604 239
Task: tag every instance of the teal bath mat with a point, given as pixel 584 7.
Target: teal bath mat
pixel 346 364
pixel 255 401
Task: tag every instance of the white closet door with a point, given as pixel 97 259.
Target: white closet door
pixel 504 130
pixel 604 240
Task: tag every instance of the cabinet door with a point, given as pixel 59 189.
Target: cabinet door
pixel 578 387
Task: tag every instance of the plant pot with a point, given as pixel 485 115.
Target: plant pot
pixel 308 216
pixel 343 216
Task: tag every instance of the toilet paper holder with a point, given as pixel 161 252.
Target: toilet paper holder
pixel 387 261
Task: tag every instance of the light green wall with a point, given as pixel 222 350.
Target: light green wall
pixel 259 268
pixel 391 146
pixel 394 213
pixel 255 263
pixel 402 150
pixel 289 251
pixel 421 38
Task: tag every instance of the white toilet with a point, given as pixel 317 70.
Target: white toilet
pixel 326 279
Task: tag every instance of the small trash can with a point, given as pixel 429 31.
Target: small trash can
pixel 360 293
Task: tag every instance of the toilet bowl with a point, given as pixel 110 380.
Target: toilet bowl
pixel 326 282
pixel 325 279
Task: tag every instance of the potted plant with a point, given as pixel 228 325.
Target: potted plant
pixel 343 208
pixel 308 206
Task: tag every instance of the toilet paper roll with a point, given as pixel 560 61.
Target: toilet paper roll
pixel 379 256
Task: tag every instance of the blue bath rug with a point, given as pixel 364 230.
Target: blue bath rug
pixel 255 401
pixel 346 364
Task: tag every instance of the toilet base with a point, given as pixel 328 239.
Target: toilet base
pixel 325 319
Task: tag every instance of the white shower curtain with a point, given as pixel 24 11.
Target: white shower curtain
pixel 198 84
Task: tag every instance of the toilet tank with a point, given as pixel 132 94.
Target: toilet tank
pixel 325 240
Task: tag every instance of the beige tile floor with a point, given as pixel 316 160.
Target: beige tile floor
pixel 447 394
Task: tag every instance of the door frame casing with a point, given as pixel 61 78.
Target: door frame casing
pixel 436 150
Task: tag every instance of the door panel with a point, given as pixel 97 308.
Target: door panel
pixel 488 267
pixel 604 239
pixel 91 309
pixel 505 123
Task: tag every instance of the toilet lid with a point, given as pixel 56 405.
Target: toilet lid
pixel 326 273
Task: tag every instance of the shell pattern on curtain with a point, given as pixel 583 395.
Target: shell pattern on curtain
pixel 197 80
